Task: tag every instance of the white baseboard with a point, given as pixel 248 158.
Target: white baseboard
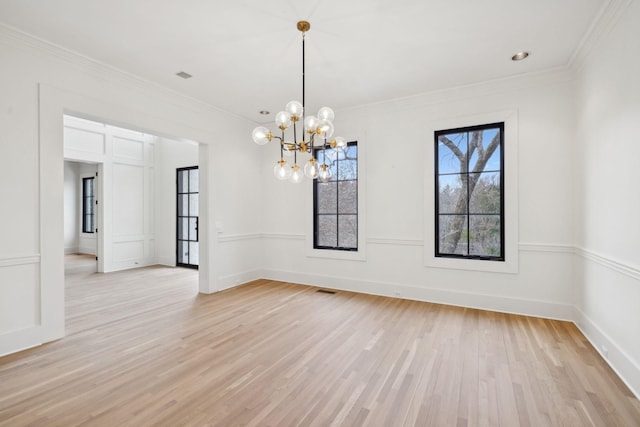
pixel 623 365
pixel 545 309
pixel 168 261
pixel 73 250
pixel 233 280
pixel 15 341
pixel 86 250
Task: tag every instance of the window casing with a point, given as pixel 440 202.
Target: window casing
pixel 469 192
pixel 335 203
pixel 88 205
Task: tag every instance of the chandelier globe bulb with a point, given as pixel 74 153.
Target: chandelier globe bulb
pixel 311 168
pixel 326 113
pixel 261 135
pixel 294 108
pixel 297 175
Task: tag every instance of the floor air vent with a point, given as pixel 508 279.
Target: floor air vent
pixel 325 291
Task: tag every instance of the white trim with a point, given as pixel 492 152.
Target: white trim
pixel 605 20
pixel 237 279
pixel 510 265
pixel 21 260
pixel 22 339
pixel 283 236
pixel 622 364
pixel 611 263
pixel 497 303
pixel 396 242
pixel 545 247
pixel 238 237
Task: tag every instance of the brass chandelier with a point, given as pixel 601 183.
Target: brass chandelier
pixel 318 131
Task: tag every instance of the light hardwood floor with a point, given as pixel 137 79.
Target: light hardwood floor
pixel 143 348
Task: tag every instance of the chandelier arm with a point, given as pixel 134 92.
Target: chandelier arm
pixel 282 146
pixel 295 135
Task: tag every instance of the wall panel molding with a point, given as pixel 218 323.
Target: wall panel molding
pixel 21 260
pixel 283 236
pixel 547 247
pixel 393 241
pixel 238 237
pixel 610 263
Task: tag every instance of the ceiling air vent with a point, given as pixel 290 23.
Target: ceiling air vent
pixel 184 75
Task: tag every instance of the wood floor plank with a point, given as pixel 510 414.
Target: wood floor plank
pixel 143 348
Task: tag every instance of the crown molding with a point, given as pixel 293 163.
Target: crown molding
pixel 485 88
pixel 109 73
pixel 607 18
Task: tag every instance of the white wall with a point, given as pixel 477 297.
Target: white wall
pixel 39 84
pixel 398 139
pixel 608 199
pixel 170 155
pixel 71 199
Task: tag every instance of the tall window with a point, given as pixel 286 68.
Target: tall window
pixel 335 203
pixel 88 205
pixel 469 203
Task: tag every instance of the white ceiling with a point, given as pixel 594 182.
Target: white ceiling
pixel 245 55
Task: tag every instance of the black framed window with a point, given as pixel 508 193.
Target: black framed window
pixel 335 203
pixel 88 205
pixel 469 192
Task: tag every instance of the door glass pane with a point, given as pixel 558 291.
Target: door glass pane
pixel 193 204
pixel 182 228
pixel 183 252
pixel 183 204
pixel 193 181
pixel 182 182
pixel 193 234
pixel 194 258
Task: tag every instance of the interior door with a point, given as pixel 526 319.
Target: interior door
pixel 187 217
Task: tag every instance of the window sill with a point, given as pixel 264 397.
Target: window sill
pixel 472 264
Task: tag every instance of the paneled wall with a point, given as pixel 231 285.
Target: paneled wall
pixel 126 202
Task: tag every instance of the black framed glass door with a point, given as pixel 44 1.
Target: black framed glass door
pixel 187 239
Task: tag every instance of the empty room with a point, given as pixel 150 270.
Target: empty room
pixel 376 213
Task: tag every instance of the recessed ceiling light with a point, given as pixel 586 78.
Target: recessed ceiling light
pixel 519 56
pixel 264 112
pixel 184 75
